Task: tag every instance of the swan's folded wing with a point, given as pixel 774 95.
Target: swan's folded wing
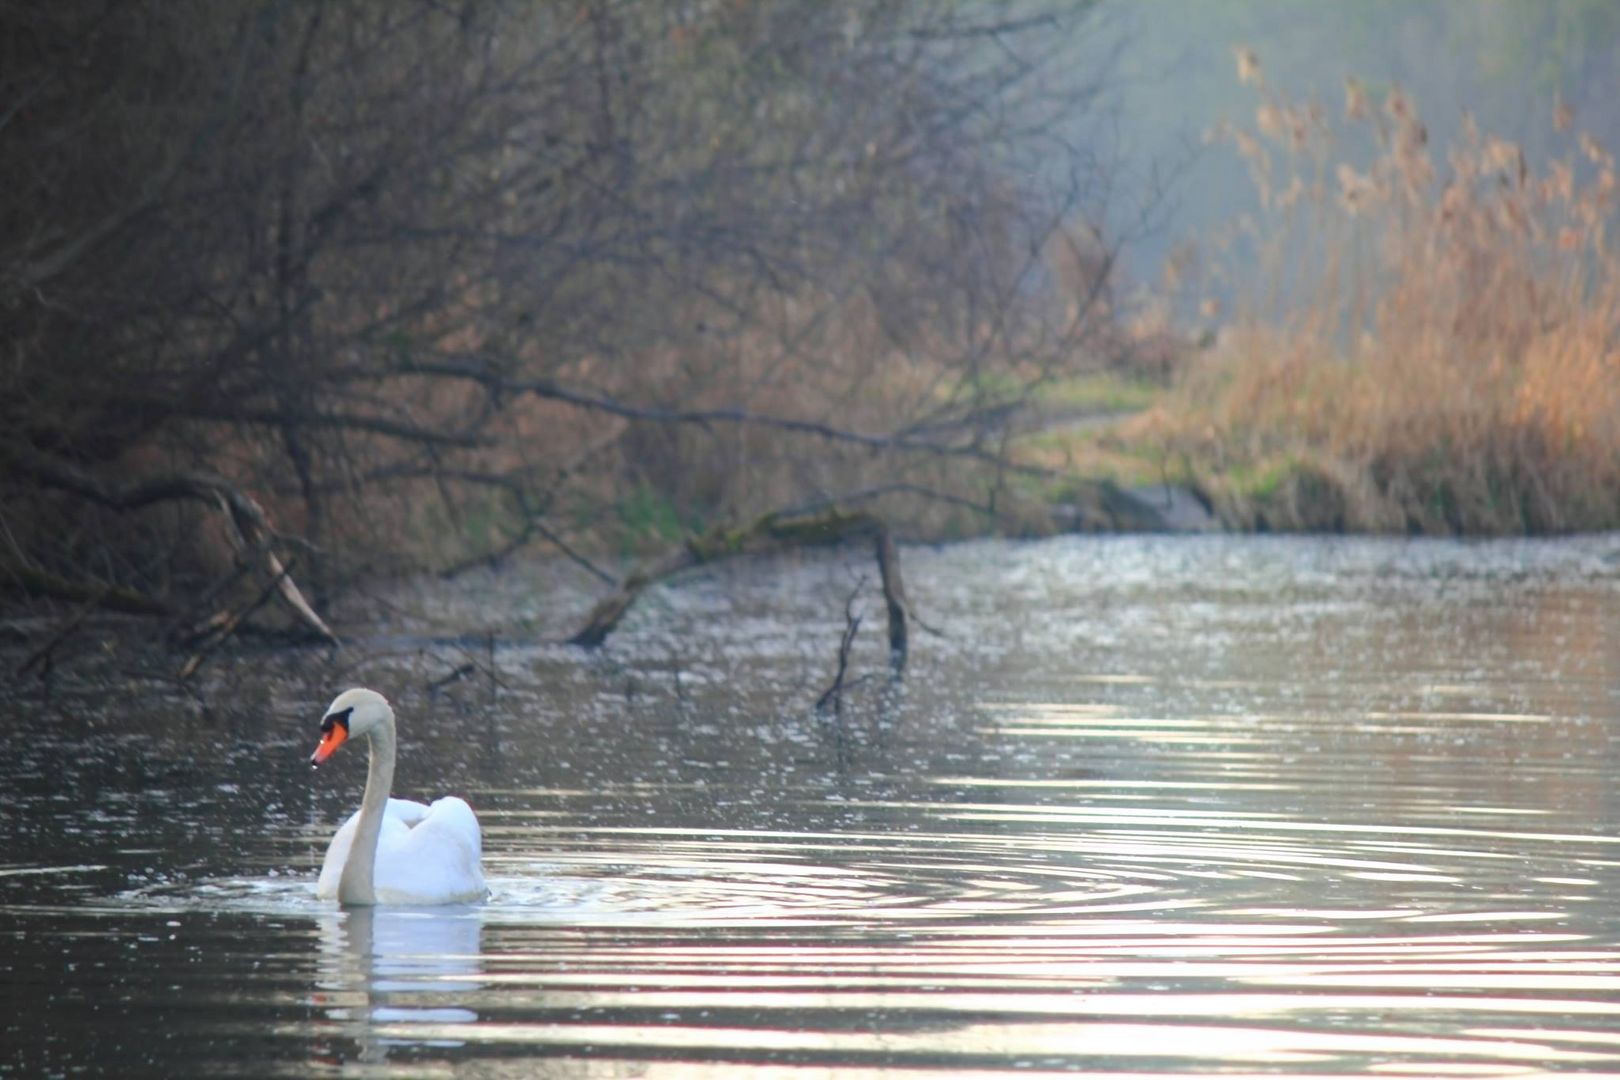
pixel 406 812
pixel 452 817
pixel 437 861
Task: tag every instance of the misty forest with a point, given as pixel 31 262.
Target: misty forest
pixel 950 535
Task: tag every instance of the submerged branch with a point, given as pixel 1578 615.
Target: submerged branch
pixel 775 531
pixel 227 624
pixel 852 625
pixel 894 598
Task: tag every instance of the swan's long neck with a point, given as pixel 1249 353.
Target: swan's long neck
pixel 356 886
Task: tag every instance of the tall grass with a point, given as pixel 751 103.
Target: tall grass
pixel 1423 342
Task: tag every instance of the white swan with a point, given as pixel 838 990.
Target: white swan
pixel 394 851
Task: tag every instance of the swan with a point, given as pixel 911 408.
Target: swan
pixel 394 851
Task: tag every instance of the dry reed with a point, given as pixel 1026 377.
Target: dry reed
pixel 1419 345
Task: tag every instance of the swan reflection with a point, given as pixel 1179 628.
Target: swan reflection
pixel 396 966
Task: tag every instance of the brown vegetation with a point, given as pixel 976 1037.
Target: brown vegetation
pixel 1425 343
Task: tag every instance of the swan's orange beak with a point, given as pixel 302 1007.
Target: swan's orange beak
pixel 331 739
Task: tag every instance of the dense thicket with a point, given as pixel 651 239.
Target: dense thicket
pixel 415 282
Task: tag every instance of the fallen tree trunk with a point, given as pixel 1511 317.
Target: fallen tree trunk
pixel 771 532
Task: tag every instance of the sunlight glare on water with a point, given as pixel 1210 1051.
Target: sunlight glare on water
pixel 1163 805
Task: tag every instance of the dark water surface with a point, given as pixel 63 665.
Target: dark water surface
pixel 1316 807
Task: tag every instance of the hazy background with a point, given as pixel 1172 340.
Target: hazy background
pixel 296 294
pixel 1506 63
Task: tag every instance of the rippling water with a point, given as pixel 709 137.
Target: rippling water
pixel 1172 805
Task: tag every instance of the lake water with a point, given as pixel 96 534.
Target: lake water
pixel 1149 805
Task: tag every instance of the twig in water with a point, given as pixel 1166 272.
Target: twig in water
pixel 456 675
pixel 494 679
pixel 852 623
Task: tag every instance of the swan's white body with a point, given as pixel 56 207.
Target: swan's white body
pixel 425 854
pixel 394 851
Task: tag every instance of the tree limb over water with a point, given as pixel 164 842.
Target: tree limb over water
pixel 403 286
pixel 900 441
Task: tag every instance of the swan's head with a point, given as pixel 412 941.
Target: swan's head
pixel 352 714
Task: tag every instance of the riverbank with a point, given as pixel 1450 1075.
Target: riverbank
pixel 1259 434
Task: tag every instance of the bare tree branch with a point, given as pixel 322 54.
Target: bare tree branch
pixel 496 383
pixel 245 515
